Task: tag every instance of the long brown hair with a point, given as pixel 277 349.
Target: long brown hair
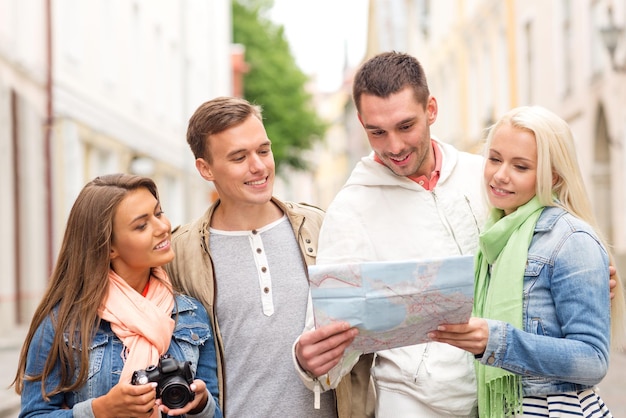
pixel 79 282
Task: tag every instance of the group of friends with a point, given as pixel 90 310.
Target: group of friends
pixel 228 293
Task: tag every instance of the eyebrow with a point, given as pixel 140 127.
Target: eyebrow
pixel 240 150
pixel 402 122
pixel 514 158
pixel 145 215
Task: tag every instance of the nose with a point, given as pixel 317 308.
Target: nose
pixel 163 225
pixel 501 175
pixel 395 145
pixel 256 164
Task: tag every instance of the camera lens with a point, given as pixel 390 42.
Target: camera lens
pixel 175 394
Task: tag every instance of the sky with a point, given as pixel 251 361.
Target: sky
pixel 322 33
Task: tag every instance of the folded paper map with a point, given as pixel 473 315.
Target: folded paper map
pixel 393 304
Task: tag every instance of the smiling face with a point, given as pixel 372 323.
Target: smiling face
pixel 241 164
pixel 141 235
pixel 510 172
pixel 398 130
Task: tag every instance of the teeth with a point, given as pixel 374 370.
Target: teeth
pixel 399 159
pixel 161 245
pixel 256 183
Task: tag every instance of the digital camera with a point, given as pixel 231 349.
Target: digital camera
pixel 173 379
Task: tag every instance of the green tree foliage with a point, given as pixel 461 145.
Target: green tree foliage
pixel 275 82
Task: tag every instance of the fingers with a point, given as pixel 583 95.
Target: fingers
pixel 323 333
pixel 612 284
pixel 320 350
pixel 197 403
pixel 125 399
pixel 471 337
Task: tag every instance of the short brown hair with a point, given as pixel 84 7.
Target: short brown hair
pixel 387 74
pixel 215 116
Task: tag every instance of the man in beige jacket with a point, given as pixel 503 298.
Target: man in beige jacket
pixel 246 259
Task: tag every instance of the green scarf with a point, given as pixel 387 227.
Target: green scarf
pixel 499 296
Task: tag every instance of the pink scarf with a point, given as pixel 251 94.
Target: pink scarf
pixel 144 324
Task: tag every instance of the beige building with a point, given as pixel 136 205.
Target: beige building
pixel 95 87
pixel 483 57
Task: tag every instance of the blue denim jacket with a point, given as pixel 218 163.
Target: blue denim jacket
pixel 566 311
pixel 192 340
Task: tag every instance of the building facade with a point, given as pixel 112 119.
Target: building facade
pixel 484 57
pixel 90 88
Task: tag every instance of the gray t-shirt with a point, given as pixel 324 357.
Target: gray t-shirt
pixel 261 299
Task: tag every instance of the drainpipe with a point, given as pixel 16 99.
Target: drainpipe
pixel 17 242
pixel 48 139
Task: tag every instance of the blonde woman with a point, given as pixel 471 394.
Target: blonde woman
pixel 544 321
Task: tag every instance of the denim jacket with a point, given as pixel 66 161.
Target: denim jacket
pixel 192 340
pixel 564 346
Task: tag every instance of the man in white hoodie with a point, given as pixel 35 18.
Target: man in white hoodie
pixel 413 197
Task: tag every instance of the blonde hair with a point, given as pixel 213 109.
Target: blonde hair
pixel 556 156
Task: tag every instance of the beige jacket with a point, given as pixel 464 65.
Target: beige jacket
pixel 191 273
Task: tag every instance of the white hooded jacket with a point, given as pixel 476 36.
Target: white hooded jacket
pixel 379 216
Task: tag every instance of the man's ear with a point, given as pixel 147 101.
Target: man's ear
pixel 432 109
pixel 204 169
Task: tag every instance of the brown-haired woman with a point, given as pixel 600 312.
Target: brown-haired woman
pixel 109 310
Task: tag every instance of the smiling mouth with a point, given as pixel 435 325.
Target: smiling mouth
pixel 400 160
pixel 256 182
pixel 162 244
pixel 500 191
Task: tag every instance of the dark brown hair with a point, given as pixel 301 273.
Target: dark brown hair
pixel 388 73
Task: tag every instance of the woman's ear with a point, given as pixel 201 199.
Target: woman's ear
pixel 555 178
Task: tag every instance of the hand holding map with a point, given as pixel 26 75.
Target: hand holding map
pixel 393 304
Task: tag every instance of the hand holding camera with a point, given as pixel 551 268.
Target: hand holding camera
pixel 173 379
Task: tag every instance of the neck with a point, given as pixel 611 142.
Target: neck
pixel 244 217
pixel 136 280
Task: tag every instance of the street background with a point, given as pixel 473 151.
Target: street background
pixel 612 388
